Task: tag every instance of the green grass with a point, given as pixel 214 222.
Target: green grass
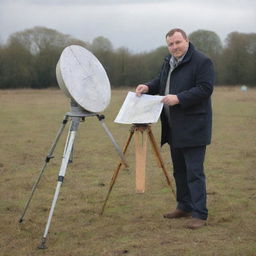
pixel 132 223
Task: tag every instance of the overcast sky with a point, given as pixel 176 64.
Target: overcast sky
pixel 139 25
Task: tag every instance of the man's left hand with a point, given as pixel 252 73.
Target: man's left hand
pixel 170 99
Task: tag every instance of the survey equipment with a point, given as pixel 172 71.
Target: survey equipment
pixel 83 79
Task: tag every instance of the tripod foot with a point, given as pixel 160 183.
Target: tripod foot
pixel 42 245
pixel 20 220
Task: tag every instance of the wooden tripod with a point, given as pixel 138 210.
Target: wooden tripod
pixel 140 157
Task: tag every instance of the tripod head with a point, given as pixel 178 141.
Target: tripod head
pixel 78 111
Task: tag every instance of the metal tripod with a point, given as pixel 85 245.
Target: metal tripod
pixel 140 155
pixel 76 115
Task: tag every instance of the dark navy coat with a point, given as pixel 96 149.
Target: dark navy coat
pixel 192 81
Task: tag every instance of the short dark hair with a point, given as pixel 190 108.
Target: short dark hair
pixel 174 30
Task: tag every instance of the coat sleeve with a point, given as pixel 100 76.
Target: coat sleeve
pixel 154 86
pixel 203 87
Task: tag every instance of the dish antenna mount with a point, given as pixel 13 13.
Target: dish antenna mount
pixel 84 80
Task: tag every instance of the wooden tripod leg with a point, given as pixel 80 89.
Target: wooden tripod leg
pixel 117 171
pixel 140 140
pixel 159 158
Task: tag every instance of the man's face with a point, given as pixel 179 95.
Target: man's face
pixel 177 44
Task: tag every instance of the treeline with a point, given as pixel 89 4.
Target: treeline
pixel 29 58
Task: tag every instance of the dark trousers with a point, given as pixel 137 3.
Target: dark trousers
pixel 190 180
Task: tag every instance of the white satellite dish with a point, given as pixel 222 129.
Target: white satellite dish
pixel 83 78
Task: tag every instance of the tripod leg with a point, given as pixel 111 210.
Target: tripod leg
pixel 116 171
pixel 101 119
pixel 47 160
pixel 64 164
pixel 159 158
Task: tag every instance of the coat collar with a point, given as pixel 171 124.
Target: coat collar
pixel 189 53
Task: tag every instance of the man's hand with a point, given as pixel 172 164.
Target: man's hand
pixel 170 99
pixel 141 88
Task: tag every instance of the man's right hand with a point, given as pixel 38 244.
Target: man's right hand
pixel 141 88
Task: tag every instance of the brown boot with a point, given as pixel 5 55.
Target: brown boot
pixel 196 223
pixel 177 214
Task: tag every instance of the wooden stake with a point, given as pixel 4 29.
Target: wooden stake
pixel 140 158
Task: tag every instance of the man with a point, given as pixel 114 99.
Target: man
pixel 186 79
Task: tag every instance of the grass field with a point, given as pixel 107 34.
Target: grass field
pixel 132 223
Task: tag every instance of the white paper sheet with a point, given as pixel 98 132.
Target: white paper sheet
pixel 139 110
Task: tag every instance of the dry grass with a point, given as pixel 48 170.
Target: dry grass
pixel 132 223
